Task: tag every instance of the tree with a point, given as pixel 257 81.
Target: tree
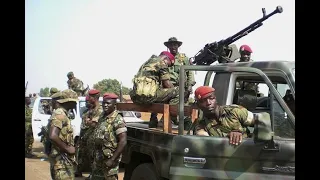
pixel 44 92
pixel 111 86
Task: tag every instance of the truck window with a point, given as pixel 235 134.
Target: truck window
pixel 255 96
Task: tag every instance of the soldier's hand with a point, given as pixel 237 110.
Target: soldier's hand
pixel 235 137
pixel 71 150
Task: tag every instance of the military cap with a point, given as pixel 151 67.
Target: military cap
pixel 70 73
pixel 93 92
pixel 245 48
pixel 54 90
pixel 110 96
pixel 172 40
pixel 169 55
pixel 65 96
pixel 203 92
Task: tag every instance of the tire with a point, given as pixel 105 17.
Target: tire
pixel 145 171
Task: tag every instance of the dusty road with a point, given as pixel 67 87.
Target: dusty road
pixel 38 168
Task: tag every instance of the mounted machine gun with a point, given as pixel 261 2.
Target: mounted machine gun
pixel 221 51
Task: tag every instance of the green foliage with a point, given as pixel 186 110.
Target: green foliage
pixel 111 86
pixel 44 92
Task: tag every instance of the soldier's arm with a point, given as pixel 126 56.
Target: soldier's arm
pixel 244 116
pixel 165 76
pixel 55 128
pixel 28 114
pixel 190 74
pixel 121 133
pixel 200 129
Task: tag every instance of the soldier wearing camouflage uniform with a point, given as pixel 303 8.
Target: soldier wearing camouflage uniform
pixel 110 139
pixel 152 83
pixel 61 155
pixel 180 59
pixel 75 84
pixel 28 128
pixel 89 121
pixel 221 121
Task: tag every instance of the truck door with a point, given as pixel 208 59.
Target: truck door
pixel 39 117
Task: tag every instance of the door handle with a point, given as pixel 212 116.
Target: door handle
pixel 37 120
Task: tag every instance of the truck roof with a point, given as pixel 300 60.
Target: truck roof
pixel 263 65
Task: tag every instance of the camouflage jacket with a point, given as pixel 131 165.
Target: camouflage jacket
pixel 155 69
pixel 60 119
pixel 181 59
pixel 27 114
pixel 106 141
pixel 232 117
pixel 93 114
pixel 75 84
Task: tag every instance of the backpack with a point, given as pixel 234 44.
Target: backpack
pixel 144 86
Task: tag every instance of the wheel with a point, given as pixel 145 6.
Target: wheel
pixel 145 171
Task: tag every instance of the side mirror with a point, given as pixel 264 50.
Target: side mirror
pixel 138 114
pixel 262 128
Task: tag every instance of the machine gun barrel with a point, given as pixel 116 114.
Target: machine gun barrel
pixel 219 50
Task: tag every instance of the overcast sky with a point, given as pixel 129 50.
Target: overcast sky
pixel 99 39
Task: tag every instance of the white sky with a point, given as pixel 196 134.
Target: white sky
pixel 100 39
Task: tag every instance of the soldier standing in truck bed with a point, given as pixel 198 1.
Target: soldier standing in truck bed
pixel 76 84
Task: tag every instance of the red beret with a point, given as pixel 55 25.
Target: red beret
pixel 87 98
pixel 93 92
pixel 110 96
pixel 202 91
pixel 169 55
pixel 245 48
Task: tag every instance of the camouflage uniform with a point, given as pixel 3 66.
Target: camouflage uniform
pixel 157 70
pixel 105 141
pixel 28 130
pixel 232 118
pixel 62 169
pixel 181 59
pixel 75 84
pixel 85 154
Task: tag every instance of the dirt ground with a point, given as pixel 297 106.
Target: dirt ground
pixel 37 168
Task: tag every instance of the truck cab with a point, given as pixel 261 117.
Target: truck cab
pixel 268 151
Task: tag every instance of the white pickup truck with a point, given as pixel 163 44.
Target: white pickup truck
pixel 40 118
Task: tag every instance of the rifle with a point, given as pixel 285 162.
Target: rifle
pixel 47 146
pixel 221 51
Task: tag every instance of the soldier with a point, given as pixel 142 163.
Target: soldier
pixel 180 59
pixel 76 84
pixel 61 155
pixel 245 53
pixel 53 90
pixel 152 83
pixel 221 121
pixel 89 121
pixel 28 129
pixel 110 139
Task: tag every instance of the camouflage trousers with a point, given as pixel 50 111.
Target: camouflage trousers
pixel 85 150
pixel 28 138
pixel 60 169
pixel 99 173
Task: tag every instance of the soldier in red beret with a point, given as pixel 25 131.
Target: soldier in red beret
pixel 89 121
pixel 152 83
pixel 221 121
pixel 245 53
pixel 110 137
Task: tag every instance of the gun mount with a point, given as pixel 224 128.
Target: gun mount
pixel 222 51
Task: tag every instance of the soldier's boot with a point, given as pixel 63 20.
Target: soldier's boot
pixel 153 123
